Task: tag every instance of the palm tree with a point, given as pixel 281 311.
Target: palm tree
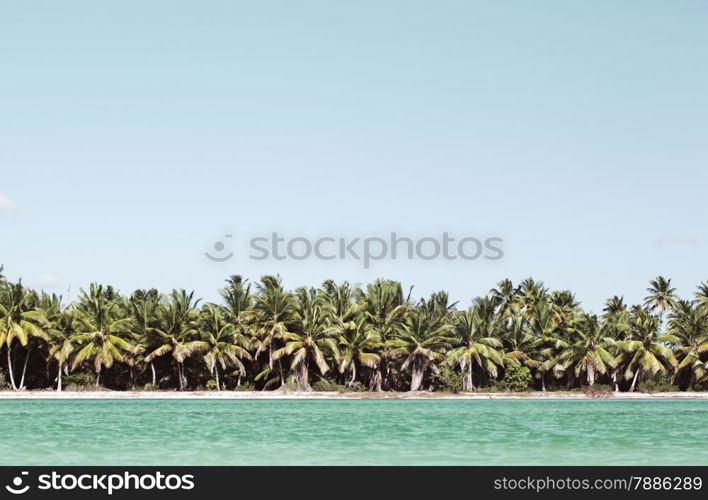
pixel 438 308
pixel 375 335
pixel 274 309
pixel 645 349
pixel 385 309
pixel 45 306
pixel 518 344
pixel 341 302
pixel 615 317
pixel 20 320
pixel 65 326
pixel 688 331
pixel 178 333
pixel 105 321
pixel 358 346
pixel 422 345
pixel 545 331
pixel 587 349
pixel 238 304
pixel 531 294
pixel 357 343
pixel 563 305
pixel 505 297
pixel 311 337
pixel 661 296
pixel 702 296
pixel 144 307
pixel 613 306
pixel 477 343
pixel 102 348
pixel 226 346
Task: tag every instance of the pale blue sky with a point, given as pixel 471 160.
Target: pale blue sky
pixel 134 134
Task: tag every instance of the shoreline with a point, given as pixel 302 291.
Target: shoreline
pixel 275 395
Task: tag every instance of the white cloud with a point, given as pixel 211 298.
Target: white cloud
pixel 48 281
pixel 6 204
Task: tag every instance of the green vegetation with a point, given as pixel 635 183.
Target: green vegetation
pixel 516 378
pixel 343 338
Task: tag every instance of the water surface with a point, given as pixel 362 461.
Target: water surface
pixel 297 432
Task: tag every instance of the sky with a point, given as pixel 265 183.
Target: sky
pixel 134 135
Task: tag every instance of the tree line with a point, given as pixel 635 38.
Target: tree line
pixel 343 337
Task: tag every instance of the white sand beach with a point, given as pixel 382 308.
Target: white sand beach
pixel 347 395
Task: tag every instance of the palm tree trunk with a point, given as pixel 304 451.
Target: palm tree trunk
pixel 591 375
pixel 375 382
pixel 351 382
pixel 152 367
pixel 303 377
pixel 59 377
pixel 543 381
pixel 98 376
pixel 24 369
pixel 282 377
pixel 216 374
pixel 614 381
pixel 9 366
pixel 634 381
pixel 182 377
pixel 417 373
pixel 467 380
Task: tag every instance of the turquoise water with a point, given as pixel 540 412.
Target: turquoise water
pixel 169 432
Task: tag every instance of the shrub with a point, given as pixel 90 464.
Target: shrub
pixel 516 378
pixel 79 381
pixel 656 386
pixel 324 385
pixel 211 385
pixel 356 387
pixel 597 388
pixel 83 388
pixel 448 380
